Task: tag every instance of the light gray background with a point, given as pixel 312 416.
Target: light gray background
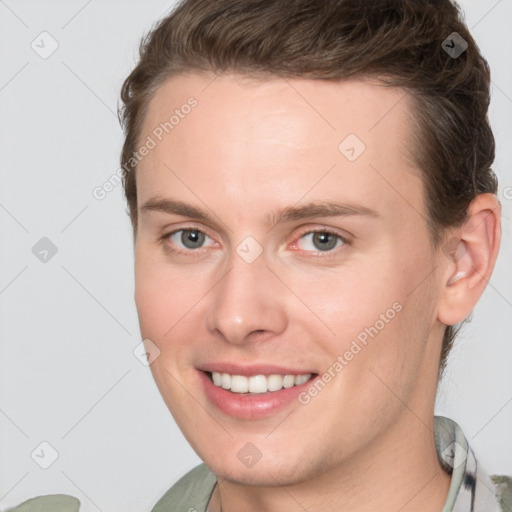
pixel 69 326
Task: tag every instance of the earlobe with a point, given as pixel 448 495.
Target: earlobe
pixel 471 258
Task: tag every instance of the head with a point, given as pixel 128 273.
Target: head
pixel 246 123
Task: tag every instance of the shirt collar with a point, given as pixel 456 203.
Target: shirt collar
pixel 471 489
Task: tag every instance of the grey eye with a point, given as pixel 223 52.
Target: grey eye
pixel 191 238
pixel 321 241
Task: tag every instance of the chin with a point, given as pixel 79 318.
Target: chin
pixel 263 473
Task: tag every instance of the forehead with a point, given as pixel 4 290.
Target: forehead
pixel 334 108
pixel 274 137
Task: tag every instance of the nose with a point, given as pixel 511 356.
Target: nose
pixel 248 302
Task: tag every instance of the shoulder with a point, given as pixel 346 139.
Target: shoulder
pixel 503 484
pixel 190 493
pixel 49 503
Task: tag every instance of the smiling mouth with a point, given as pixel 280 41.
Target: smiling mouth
pixel 257 384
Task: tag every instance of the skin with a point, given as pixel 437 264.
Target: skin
pixel 251 148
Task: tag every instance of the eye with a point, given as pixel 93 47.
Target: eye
pixel 188 239
pixel 320 241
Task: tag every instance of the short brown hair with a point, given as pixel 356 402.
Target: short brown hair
pixel 398 41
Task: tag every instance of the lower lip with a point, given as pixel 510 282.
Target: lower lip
pixel 247 406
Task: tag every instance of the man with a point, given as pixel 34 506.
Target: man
pixel 306 237
pixel 314 211
pixel 314 214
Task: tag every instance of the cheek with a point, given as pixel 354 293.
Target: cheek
pixel 162 297
pixel 377 315
pixel 150 297
pixel 172 304
pixel 349 300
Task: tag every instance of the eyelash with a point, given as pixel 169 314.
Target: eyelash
pixel 321 254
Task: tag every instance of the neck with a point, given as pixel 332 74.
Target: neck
pixel 397 471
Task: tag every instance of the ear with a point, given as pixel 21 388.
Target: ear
pixel 469 257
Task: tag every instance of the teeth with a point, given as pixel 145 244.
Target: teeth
pixel 301 379
pixel 217 378
pixel 257 383
pixel 274 382
pixel 225 381
pixel 239 384
pixel 288 381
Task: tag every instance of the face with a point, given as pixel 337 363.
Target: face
pixel 282 231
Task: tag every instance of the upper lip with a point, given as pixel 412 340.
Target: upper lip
pixel 249 370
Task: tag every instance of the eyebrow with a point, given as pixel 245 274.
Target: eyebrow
pixel 289 214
